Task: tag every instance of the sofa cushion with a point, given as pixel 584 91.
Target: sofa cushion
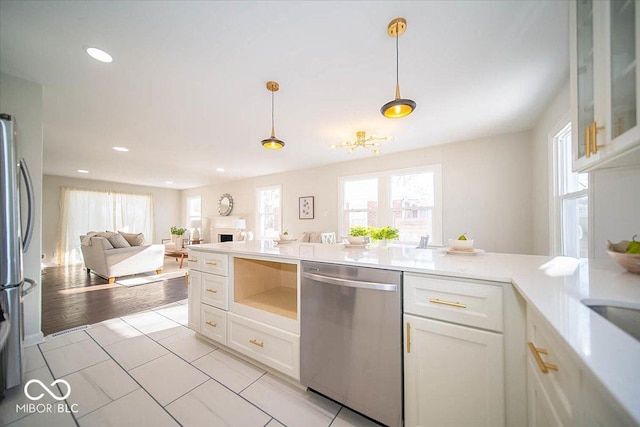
pixel 118 241
pixel 134 239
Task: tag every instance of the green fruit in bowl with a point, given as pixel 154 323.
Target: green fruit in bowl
pixel 463 237
pixel 633 247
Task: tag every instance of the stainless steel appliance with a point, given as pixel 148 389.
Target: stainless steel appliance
pixel 15 241
pixel 351 337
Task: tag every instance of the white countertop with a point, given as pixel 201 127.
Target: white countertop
pixel 554 286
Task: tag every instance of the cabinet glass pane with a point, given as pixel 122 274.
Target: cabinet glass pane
pixel 584 10
pixel 623 66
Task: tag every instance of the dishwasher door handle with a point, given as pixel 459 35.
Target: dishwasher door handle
pixel 351 283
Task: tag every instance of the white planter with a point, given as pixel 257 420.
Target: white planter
pixel 179 243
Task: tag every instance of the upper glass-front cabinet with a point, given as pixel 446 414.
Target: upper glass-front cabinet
pixel 604 81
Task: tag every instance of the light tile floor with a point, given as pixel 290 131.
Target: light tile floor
pixel 149 369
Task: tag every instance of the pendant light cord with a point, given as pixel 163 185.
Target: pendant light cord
pixel 273 127
pixel 397 60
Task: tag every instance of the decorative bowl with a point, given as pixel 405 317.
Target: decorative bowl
pixel 360 240
pixel 461 245
pixel 629 261
pixel 285 237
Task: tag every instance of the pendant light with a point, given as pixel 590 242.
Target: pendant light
pixel 399 107
pixel 272 143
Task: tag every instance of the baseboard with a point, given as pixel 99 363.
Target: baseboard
pixel 33 339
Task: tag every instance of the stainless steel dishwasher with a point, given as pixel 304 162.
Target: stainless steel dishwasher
pixel 351 337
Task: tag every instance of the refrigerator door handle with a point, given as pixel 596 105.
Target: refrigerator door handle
pixel 33 284
pixel 31 202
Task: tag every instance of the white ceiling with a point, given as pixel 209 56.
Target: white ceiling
pixel 186 91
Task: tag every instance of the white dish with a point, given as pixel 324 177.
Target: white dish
pixel 284 241
pixel 471 252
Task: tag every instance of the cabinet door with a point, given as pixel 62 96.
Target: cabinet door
pixel 214 290
pixel 454 375
pixel 195 280
pixel 541 410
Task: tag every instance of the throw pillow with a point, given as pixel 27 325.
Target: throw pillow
pixel 134 239
pixel 106 234
pixel 118 241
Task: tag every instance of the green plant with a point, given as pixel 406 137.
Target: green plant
pixel 359 231
pixel 384 233
pixel 177 231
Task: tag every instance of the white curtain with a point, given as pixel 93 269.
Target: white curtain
pixel 82 211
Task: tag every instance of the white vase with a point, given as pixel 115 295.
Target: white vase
pixel 178 243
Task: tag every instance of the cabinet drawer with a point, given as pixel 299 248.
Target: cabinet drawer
pixel 561 381
pixel 214 323
pixel 466 303
pixel 214 290
pixel 271 346
pixel 193 260
pixel 213 263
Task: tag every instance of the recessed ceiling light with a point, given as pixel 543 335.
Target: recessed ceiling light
pixel 169 182
pixel 83 171
pixel 219 169
pixel 123 149
pixel 99 55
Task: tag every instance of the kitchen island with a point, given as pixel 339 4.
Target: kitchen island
pixel 553 289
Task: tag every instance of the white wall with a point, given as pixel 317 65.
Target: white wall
pixel 167 207
pixel 23 100
pixel 487 190
pixel 616 206
pixel 541 156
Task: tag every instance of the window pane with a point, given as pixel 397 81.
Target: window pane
pixel 412 200
pixel 269 212
pixel 569 181
pixel 575 226
pixel 362 194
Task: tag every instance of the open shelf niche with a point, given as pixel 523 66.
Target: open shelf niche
pixel 266 285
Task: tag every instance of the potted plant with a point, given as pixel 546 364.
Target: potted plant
pixel 384 234
pixel 176 236
pixel 358 235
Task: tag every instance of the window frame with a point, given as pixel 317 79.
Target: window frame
pixel 260 233
pixel 188 209
pixel 384 211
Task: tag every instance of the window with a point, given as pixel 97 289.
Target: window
pixel 194 213
pixel 82 211
pixel 571 200
pixel 269 218
pixel 406 199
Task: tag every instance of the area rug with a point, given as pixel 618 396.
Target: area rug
pixel 145 278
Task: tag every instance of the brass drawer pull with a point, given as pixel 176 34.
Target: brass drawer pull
pixel 256 342
pixel 210 323
pixel 443 302
pixel 408 337
pixel 192 259
pixel 213 291
pixel 544 366
pixel 211 263
pixel 594 137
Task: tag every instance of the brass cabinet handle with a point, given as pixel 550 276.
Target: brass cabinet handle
pixel 211 263
pixel 587 141
pixel 192 259
pixel 408 337
pixel 213 291
pixel 443 302
pixel 594 137
pixel 210 323
pixel 256 342
pixel 544 366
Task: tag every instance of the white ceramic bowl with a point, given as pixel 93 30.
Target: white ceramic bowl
pixel 360 240
pixel 461 245
pixel 286 237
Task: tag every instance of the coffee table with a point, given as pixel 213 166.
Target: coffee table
pixel 182 253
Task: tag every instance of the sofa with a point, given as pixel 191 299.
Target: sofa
pixel 110 254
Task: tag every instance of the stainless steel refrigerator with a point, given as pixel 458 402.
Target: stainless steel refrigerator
pixel 16 229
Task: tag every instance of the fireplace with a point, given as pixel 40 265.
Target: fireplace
pixel 225 237
pixel 227 229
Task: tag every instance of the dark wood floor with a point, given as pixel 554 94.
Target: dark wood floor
pixel 71 297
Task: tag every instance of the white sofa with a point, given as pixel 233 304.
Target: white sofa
pixel 105 260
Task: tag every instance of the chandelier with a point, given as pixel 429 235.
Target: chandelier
pixel 362 140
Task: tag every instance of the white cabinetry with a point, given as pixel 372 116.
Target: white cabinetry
pixel 605 82
pixel 453 373
pixel 561 391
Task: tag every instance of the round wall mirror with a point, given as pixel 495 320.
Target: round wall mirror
pixel 225 204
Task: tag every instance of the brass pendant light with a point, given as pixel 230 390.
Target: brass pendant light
pixel 399 107
pixel 272 143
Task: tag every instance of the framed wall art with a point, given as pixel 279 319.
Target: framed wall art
pixel 305 207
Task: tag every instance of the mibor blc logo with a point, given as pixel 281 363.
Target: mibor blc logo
pixel 36 389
